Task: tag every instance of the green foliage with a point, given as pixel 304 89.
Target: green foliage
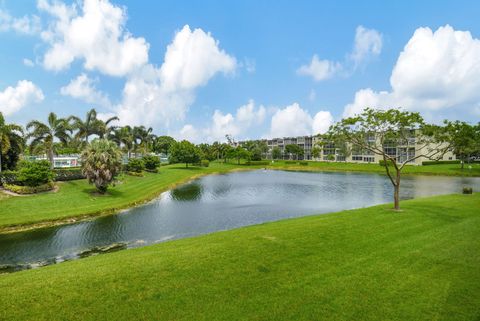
pixel 68 174
pixel 467 190
pixel 316 151
pixel 258 163
pixel 162 144
pixel 19 189
pixel 294 149
pixel 11 144
pixel 135 165
pixel 205 163
pixel 276 152
pixel 426 163
pixel 184 152
pixel 464 139
pixel 101 162
pixel 151 162
pixel 8 177
pixel 34 173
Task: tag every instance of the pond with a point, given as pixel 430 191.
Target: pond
pixel 215 203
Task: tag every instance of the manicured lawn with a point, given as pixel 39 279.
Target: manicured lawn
pixel 367 264
pixel 75 198
pixel 445 170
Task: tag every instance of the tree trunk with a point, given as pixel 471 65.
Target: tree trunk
pixel 396 192
pixel 186 165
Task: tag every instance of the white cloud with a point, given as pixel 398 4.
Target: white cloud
pixel 368 43
pixel 96 34
pixel 83 88
pixel 295 121
pixel 319 69
pixel 25 25
pixel 28 62
pixel 189 133
pixel 162 95
pixel 435 72
pixel 12 99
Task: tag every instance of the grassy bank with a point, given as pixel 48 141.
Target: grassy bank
pixel 76 198
pixel 441 170
pixel 366 264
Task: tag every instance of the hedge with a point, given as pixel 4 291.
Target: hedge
pixel 260 162
pixel 425 163
pixel 29 189
pixel 69 174
pixel 8 177
pixel 291 162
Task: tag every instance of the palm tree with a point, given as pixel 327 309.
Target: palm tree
pixel 85 128
pixel 123 137
pixel 45 134
pixel 143 137
pixel 8 133
pixel 101 162
pixel 104 128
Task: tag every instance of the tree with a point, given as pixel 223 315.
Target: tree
pixel 208 151
pixel 104 128
pixel 276 152
pixel 162 144
pixel 239 153
pixel 184 152
pixel 375 130
pixel 90 126
pixel 124 138
pixel 142 138
pixel 101 162
pixel 294 149
pixel 44 134
pixel 463 138
pixel 11 143
pixel 316 151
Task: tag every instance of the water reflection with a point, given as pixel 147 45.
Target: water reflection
pixel 218 202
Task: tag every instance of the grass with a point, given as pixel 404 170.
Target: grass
pixel 366 264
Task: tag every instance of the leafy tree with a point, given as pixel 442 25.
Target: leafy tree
pixel 276 152
pixel 11 144
pixel 184 152
pixel 239 153
pixel 294 149
pixel 207 151
pixel 101 162
pixel 34 173
pixel 316 151
pixel 373 129
pixel 463 138
pixel 162 144
pixel 44 134
pixel 151 162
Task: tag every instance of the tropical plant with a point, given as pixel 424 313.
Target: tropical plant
pixel 104 128
pixel 44 135
pixel 142 138
pixel 85 129
pixel 101 162
pixel 34 173
pixel 151 162
pixel 184 152
pixel 162 144
pixel 135 165
pixel 11 144
pixel 124 138
pixel 373 130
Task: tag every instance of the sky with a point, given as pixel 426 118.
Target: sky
pixel 200 70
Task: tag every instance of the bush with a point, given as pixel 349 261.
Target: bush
pixel 205 163
pixel 290 162
pixel 29 189
pixel 441 162
pixel 304 163
pixel 261 162
pixel 151 162
pixel 137 174
pixel 70 174
pixel 34 173
pixel 467 190
pixel 8 177
pixel 135 165
pixel 382 162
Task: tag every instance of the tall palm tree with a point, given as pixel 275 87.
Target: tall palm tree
pixel 104 128
pixel 124 138
pixel 143 138
pixel 45 134
pixel 8 132
pixel 85 128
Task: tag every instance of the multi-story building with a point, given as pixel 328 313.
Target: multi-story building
pixel 348 153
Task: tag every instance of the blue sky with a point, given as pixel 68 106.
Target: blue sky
pixel 247 68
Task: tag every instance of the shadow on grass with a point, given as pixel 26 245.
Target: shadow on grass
pixel 111 192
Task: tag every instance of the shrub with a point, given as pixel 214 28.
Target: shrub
pixel 290 162
pixel 440 162
pixel 151 162
pixel 205 163
pixel 137 174
pixel 467 190
pixel 304 163
pixel 69 174
pixel 260 163
pixel 8 177
pixel 135 165
pixel 34 173
pixel 29 189
pixel 382 162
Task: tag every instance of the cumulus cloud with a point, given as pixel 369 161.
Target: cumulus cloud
pixel 12 99
pixel 25 25
pixel 162 95
pixel 83 88
pixel 319 69
pixel 435 72
pixel 368 43
pixel 295 121
pixel 95 33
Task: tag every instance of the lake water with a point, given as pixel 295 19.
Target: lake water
pixel 214 203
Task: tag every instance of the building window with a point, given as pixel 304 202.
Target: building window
pixel 357 158
pixel 369 159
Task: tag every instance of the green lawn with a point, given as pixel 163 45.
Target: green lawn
pixel 75 198
pixel 369 264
